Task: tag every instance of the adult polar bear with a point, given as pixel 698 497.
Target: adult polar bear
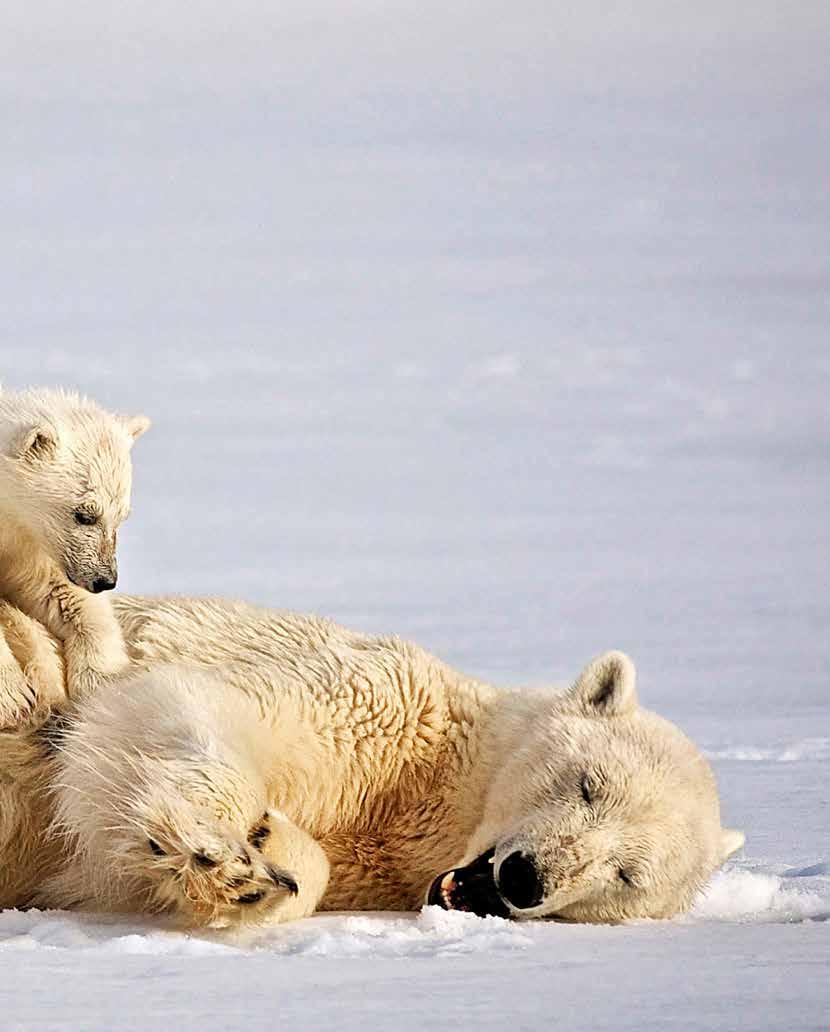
pixel 285 764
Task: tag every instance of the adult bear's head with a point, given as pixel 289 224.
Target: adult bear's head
pixel 603 812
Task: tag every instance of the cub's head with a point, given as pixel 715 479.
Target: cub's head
pixel 604 812
pixel 67 478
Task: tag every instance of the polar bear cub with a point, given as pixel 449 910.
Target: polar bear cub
pixel 65 480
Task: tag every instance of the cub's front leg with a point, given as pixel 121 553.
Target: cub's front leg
pixel 18 698
pixel 94 649
pixel 31 671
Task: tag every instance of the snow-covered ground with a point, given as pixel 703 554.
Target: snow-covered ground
pixel 505 328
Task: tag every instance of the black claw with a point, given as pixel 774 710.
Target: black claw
pixel 282 878
pixel 258 835
pixel 251 897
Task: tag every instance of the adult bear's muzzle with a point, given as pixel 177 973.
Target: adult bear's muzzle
pixel 471 888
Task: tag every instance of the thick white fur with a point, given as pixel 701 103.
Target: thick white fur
pixel 60 454
pixel 250 750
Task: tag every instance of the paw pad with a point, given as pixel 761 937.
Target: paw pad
pixel 222 874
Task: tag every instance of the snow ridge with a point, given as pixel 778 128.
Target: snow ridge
pixel 734 895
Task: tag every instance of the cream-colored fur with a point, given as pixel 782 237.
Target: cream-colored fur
pixel 62 460
pixel 251 754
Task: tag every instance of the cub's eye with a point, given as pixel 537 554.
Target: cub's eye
pixel 623 875
pixel 155 847
pixel 86 518
pixel 585 788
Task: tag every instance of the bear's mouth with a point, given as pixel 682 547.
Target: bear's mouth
pixel 471 888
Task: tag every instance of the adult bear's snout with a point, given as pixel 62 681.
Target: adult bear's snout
pixel 519 882
pixel 103 583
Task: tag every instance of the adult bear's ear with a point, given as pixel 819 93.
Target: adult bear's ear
pixel 37 443
pixel 136 426
pixel 731 841
pixel 607 687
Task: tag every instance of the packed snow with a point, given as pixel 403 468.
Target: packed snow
pixel 502 327
pixel 734 895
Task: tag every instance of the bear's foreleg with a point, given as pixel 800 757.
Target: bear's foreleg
pixel 31 672
pixel 94 649
pixel 163 795
pixel 18 699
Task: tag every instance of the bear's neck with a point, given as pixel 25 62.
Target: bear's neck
pixel 437 800
pixel 492 723
pixel 23 560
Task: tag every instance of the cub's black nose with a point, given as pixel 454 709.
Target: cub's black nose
pixel 519 882
pixel 103 584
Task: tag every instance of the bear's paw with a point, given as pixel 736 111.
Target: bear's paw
pixel 208 876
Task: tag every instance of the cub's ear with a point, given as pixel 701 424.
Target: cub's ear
pixel 607 686
pixel 37 443
pixel 731 841
pixel 136 426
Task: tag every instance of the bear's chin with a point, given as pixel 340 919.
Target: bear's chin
pixel 471 889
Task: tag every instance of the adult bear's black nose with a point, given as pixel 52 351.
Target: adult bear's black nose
pixel 519 882
pixel 104 584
